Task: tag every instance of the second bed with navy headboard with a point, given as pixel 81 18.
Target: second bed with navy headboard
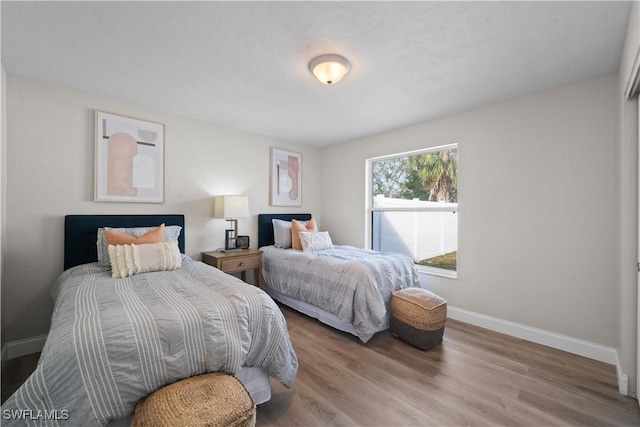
pixel 344 287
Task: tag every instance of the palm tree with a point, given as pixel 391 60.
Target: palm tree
pixel 437 172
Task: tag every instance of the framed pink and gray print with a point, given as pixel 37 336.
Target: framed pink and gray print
pixel 129 159
pixel 286 178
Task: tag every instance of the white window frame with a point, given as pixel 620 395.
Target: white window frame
pixel 370 209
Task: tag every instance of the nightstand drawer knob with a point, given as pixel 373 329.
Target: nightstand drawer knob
pixel 241 263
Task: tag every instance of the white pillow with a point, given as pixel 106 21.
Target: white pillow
pixel 282 233
pixel 127 260
pixel 171 233
pixel 315 241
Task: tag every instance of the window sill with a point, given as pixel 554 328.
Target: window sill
pixel 439 272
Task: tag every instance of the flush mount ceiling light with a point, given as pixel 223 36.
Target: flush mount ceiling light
pixel 329 69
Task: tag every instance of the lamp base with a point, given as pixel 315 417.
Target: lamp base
pixel 230 240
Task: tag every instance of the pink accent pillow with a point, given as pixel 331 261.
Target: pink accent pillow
pixel 154 236
pixel 297 227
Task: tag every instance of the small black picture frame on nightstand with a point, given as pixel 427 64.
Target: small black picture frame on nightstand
pixel 242 242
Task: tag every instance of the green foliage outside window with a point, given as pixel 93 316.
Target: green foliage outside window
pixel 430 176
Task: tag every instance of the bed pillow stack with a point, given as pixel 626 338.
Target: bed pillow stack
pixel 300 235
pixel 140 250
pixel 285 233
pixel 170 233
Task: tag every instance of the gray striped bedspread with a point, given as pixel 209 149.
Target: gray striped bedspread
pixel 353 284
pixel 114 341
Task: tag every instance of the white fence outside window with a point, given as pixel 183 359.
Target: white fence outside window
pixel 418 229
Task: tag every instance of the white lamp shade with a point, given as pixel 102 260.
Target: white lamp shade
pixel 231 207
pixel 329 69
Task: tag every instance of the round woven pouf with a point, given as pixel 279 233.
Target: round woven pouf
pixel 209 400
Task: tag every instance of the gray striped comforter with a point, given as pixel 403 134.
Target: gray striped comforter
pixel 354 284
pixel 114 341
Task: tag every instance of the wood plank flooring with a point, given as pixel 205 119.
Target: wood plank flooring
pixel 15 372
pixel 475 377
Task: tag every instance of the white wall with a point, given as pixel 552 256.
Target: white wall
pixel 538 242
pixel 50 174
pixel 628 203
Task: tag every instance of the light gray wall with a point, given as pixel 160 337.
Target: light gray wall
pixel 538 241
pixel 628 204
pixel 50 174
pixel 3 197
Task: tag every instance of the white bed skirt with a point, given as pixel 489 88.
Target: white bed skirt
pixel 311 310
pixel 256 380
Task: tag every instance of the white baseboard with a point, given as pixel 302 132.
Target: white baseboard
pixel 23 347
pixel 623 380
pixel 550 339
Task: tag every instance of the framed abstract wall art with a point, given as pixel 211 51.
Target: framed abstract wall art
pixel 286 178
pixel 129 159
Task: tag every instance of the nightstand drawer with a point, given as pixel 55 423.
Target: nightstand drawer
pixel 240 264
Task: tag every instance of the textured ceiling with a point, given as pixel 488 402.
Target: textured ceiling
pixel 244 64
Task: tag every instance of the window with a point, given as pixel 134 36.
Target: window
pixel 414 200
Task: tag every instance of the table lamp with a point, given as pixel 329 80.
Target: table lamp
pixel 231 208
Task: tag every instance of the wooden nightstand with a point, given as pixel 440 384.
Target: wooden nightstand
pixel 236 262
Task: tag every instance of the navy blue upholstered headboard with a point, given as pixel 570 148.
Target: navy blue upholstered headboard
pixel 265 226
pixel 81 233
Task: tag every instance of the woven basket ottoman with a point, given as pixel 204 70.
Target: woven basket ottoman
pixel 418 317
pixel 209 400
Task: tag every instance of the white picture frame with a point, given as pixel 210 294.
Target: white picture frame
pixel 286 178
pixel 129 159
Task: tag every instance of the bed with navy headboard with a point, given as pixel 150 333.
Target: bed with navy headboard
pixel 342 286
pixel 115 341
